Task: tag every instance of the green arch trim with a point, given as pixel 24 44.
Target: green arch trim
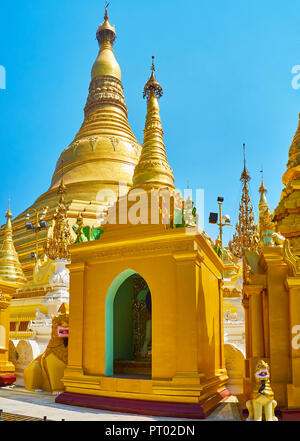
pixel 109 320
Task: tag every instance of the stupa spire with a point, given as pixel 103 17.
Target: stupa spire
pixel 246 228
pixel 10 267
pixel 105 149
pixel 153 169
pixel 263 203
pixel 263 206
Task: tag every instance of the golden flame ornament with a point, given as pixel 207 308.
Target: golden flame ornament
pixel 246 234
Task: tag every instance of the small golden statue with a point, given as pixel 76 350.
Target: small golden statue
pixel 262 400
pixel 85 233
pixel 46 371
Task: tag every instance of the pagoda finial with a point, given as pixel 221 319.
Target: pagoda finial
pixel 106 63
pixel 263 206
pixel 245 177
pixel 106 14
pixel 8 213
pixel 262 188
pixel 152 84
pixel 153 169
pixel 153 67
pixel 246 229
pixel 106 31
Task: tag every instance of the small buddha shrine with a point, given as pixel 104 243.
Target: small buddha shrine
pixel 146 304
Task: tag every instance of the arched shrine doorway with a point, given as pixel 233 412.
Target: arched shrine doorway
pixel 128 327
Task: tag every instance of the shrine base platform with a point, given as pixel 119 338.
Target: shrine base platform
pixel 144 407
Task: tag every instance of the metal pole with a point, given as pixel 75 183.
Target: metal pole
pixel 221 225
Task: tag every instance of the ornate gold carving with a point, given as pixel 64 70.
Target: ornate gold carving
pixel 105 89
pixel 122 252
pixel 245 236
pixel 140 315
pixel 56 247
pixel 292 259
pixel 4 301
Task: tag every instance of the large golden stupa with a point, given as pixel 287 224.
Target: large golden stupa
pixel 103 154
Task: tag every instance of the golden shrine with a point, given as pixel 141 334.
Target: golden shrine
pixel 121 306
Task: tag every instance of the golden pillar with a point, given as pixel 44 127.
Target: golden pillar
pixel 6 367
pixel 293 389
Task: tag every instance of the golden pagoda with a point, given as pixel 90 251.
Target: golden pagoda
pixel 287 212
pixel 103 153
pixel 11 277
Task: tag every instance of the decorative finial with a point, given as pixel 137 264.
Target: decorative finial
pixel 245 177
pixel 262 188
pixel 152 84
pixel 106 31
pixel 153 67
pixel 246 229
pixel 8 213
pixel 244 154
pixel 106 14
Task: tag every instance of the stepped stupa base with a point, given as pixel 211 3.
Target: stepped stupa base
pixel 144 407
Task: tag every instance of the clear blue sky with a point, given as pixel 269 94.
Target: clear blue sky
pixel 226 71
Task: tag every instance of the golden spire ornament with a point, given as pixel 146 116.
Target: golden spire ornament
pixel 106 64
pixel 263 206
pixel 56 247
pixel 153 169
pixel 246 229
